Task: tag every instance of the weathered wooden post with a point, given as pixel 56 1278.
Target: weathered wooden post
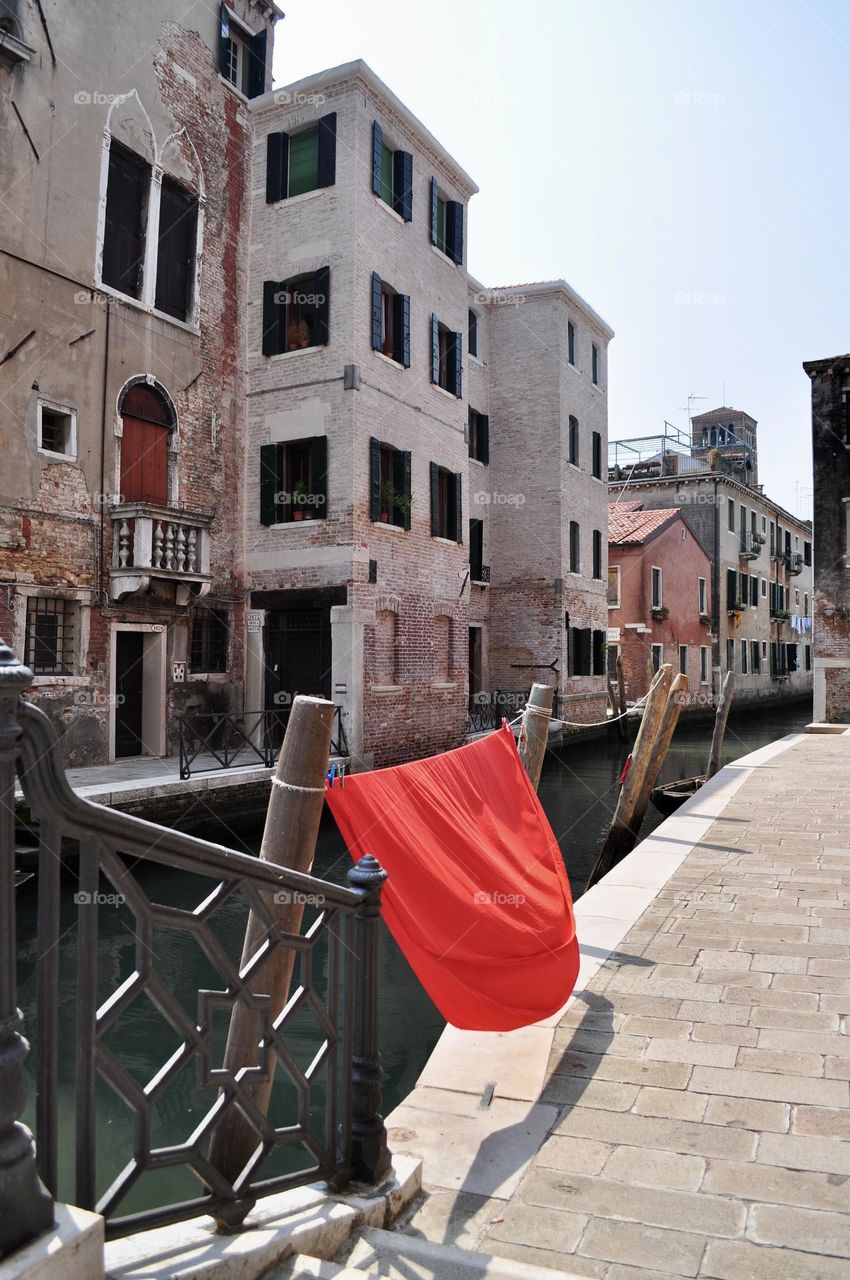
pixel 721 716
pixel 621 690
pixel 370 1155
pixel 675 701
pixel 26 1207
pixel 618 710
pixel 289 840
pixel 626 823
pixel 534 730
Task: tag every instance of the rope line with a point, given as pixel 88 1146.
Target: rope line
pixel 579 724
pixel 291 786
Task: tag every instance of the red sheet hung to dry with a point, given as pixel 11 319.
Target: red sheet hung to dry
pixel 477 897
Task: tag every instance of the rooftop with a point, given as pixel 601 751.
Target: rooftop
pixel 630 525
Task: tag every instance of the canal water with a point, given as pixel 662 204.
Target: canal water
pixel 578 790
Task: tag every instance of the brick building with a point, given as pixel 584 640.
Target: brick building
pixel 760 594
pixel 830 380
pixel 658 599
pixel 122 272
pixel 418 445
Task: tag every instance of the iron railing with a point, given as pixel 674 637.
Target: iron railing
pixel 331 1107
pixel 224 740
pixel 487 710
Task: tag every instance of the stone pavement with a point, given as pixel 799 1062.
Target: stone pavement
pixel 698 1091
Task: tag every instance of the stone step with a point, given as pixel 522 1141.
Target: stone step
pixel 395 1256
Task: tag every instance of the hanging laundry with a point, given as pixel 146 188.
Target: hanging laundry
pixel 477 898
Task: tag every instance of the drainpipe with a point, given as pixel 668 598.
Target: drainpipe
pixel 100 534
pixel 715 583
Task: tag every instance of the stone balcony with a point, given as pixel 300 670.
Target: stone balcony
pixel 150 542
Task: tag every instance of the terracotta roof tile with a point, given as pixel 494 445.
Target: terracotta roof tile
pixel 633 527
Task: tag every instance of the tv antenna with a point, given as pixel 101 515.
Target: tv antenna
pixel 687 409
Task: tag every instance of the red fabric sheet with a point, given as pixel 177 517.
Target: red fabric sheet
pixel 477 897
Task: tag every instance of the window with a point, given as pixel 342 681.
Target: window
pixel 755 655
pixel 764 525
pixel 594 358
pixel 806 605
pixel 127 189
pixel 478 571
pixel 446 369
pixel 175 262
pixel 386 647
pixel 390 322
pixel 657 657
pixel 597 554
pixel 479 436
pixel 571 342
pixel 392 175
pixel 764 588
pixel 295 313
pixel 744 652
pixel 390 490
pixel 572 441
pixel 446 224
pixel 209 643
pixel 580 656
pixel 599 653
pixel 754 591
pixel 614 586
pixel 302 161
pixel 772 538
pixel 703 664
pixel 656 587
pixel 808 656
pixel 683 659
pixel 807 552
pixel 49 642
pixel 293 481
pixel 730 654
pixel 597 455
pixel 242 56
pixel 472 332
pixel 446 504
pixel 730 514
pixel 703 597
pixel 764 648
pixel 57 430
pixel 797 598
pixel 575 548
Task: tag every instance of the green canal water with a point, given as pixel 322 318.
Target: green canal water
pixel 578 790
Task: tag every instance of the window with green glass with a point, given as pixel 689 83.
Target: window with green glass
pixel 303 162
pixel 441 225
pixel 387 193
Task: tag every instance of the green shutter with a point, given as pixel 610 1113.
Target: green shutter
pixel 407 483
pixel 401 328
pixel 458 496
pixel 377 312
pixel 277 160
pixel 326 151
pixel 457 364
pixel 386 192
pixel 435 205
pixel 374 479
pixel 272 343
pixel 403 184
pixel 435 349
pixel 483 438
pixel 377 152
pixel 269 483
pixel 435 500
pixel 322 289
pixel 303 162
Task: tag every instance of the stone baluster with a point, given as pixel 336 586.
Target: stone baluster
pixel 123 544
pixel 169 545
pixel 157 545
pixel 191 550
pixel 180 565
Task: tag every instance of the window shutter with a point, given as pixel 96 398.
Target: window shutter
pixel 377 311
pixel 257 65
pixel 377 156
pixel 458 507
pixel 434 199
pixel 599 653
pixel 401 328
pixel 326 168
pixel 457 364
pixel 178 221
pixel 744 588
pixel 483 437
pixel 277 160
pixel 731 587
pixel 269 483
pixel 320 475
pixel 403 184
pixel 454 230
pixel 374 479
pixel 223 39
pixel 435 500
pixel 322 288
pixel 435 349
pixel 272 319
pixel 406 483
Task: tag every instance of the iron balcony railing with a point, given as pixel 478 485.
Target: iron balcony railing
pixel 488 710
pixel 326 1112
pixel 214 739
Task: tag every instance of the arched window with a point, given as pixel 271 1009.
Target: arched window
pixel 147 424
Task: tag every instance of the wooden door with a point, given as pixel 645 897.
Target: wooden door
pixel 144 447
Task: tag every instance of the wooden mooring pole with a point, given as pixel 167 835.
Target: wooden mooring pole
pixel 618 710
pixel 289 840
pixel 534 731
pixel 721 716
pixel 621 691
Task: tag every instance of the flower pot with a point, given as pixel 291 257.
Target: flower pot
pixel 384 517
pixel 298 515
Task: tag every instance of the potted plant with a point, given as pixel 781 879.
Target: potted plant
pixel 299 500
pixel 661 614
pixel 393 501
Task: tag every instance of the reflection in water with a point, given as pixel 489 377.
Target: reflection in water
pixel 578 790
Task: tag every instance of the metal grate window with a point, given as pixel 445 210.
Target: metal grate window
pixel 50 636
pixel 210 632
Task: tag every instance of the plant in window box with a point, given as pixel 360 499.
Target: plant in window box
pixel 661 614
pixel 393 501
pixel 707 620
pixel 299 501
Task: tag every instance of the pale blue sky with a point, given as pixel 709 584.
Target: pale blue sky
pixel 684 165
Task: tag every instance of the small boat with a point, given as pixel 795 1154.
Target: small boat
pixel 670 795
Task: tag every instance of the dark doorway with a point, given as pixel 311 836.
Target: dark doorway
pixel 298 658
pixel 129 650
pixel 474 660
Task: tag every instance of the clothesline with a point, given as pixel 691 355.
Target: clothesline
pixel 577 724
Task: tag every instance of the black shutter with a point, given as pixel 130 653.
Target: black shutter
pixel 272 319
pixel 257 65
pixel 377 312
pixel 731 588
pixel 327 150
pixel 223 39
pixel 124 238
pixel 374 479
pixel 744 588
pixel 277 163
pixel 377 157
pixel 599 653
pixel 320 476
pixel 403 184
pixel 483 438
pixel 458 497
pixel 772 595
pixel 401 329
pixel 406 483
pixel 454 230
pixel 457 364
pixel 435 349
pixel 322 289
pixel 269 483
pixel 175 260
pixel 434 199
pixel 435 500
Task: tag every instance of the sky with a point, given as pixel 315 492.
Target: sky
pixel 684 165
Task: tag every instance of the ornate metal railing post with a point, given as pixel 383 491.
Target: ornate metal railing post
pixel 26 1208
pixel 370 1155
